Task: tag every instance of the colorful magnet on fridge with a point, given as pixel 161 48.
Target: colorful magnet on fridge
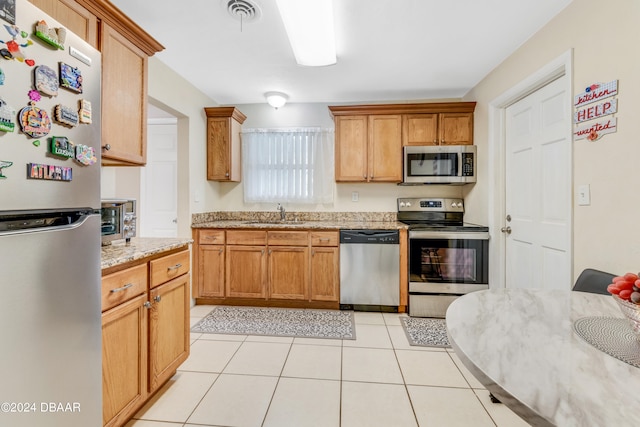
pixel 7 114
pixel 85 155
pixel 52 36
pixel 46 80
pixel 48 172
pixel 34 121
pixel 36 143
pixel 70 77
pixel 85 111
pixel 34 96
pixel 61 146
pixel 6 54
pixel 4 164
pixel 1 77
pixel 66 115
pixel 14 45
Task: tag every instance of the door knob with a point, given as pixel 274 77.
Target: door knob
pixel 508 218
pixel 506 230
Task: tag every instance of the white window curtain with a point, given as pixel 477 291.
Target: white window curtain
pixel 288 165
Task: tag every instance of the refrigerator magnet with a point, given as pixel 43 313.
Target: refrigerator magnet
pixel 52 36
pixel 61 146
pixel 34 121
pixel 66 115
pixel 85 155
pixel 1 77
pixel 48 172
pixel 7 113
pixel 4 164
pixel 70 77
pixel 85 111
pixel 18 40
pixel 46 80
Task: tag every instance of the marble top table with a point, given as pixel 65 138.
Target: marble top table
pixel 521 345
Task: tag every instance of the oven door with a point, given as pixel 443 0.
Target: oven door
pixel 442 262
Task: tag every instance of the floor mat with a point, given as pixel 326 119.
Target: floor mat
pixel 426 332
pixel 279 322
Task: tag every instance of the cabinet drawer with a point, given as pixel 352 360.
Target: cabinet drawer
pixel 288 238
pixel 123 285
pixel 325 238
pixel 211 237
pixel 246 237
pixel 168 267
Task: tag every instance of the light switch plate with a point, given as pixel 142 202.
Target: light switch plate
pixel 354 196
pixel 584 196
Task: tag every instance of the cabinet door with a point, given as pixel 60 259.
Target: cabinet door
pixel 74 17
pixel 420 129
pixel 124 99
pixel 385 148
pixel 246 268
pixel 456 128
pixel 211 271
pixel 288 272
pixel 218 149
pixel 325 280
pixel 168 329
pixel 351 148
pixel 124 360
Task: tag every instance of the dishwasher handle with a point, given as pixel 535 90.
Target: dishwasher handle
pixel 390 237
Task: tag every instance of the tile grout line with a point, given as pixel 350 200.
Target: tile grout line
pixel 264 418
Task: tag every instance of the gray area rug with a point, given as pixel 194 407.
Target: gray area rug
pixel 279 322
pixel 426 332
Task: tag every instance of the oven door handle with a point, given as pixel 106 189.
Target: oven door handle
pixel 452 235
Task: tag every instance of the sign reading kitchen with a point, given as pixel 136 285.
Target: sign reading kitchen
pixel 602 125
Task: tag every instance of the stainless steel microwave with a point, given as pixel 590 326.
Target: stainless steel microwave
pixel 118 220
pixel 439 164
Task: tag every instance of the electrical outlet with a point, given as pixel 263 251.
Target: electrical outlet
pixel 354 196
pixel 584 196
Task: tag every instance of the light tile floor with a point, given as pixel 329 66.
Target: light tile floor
pixel 376 380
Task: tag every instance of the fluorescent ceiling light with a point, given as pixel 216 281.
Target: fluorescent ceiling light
pixel 309 26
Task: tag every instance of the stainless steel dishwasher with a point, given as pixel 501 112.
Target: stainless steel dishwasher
pixel 369 270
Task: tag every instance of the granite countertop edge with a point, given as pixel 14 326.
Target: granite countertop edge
pixel 312 225
pixel 140 247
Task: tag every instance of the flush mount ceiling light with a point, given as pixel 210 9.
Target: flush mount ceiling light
pixel 276 99
pixel 309 26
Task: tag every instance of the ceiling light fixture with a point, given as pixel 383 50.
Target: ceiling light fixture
pixel 309 26
pixel 276 99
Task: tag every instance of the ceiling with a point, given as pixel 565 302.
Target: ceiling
pixel 388 50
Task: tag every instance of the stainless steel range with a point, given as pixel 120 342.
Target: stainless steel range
pixel 447 257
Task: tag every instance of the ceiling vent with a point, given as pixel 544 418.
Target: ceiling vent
pixel 245 11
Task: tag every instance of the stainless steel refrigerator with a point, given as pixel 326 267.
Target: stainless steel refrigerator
pixel 50 329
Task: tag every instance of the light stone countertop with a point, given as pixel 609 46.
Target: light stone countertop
pixel 140 247
pixel 522 347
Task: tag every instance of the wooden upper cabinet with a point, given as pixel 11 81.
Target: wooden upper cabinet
pixel 368 148
pixel 385 148
pixel 73 16
pixel 224 125
pixel 456 129
pixel 124 99
pixel 437 129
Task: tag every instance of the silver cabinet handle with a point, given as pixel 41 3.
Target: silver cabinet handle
pixel 157 298
pixel 106 147
pixel 125 287
pixel 506 230
pixel 146 304
pixel 221 250
pixel 175 267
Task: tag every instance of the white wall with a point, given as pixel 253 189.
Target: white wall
pixel 604 39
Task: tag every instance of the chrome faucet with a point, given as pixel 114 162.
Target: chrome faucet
pixel 283 213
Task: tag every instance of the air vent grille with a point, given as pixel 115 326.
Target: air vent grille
pixel 243 10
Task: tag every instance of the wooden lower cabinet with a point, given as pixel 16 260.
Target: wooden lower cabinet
pixel 289 272
pixel 325 274
pixel 145 331
pixel 124 360
pixel 211 260
pixel 168 337
pixel 246 271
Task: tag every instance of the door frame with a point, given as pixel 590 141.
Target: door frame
pixel 562 65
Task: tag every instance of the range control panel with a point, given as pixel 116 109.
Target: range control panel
pixel 430 205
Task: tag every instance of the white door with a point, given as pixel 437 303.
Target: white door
pixel 538 189
pixel 159 182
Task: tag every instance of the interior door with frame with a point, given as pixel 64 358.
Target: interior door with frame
pixel 538 186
